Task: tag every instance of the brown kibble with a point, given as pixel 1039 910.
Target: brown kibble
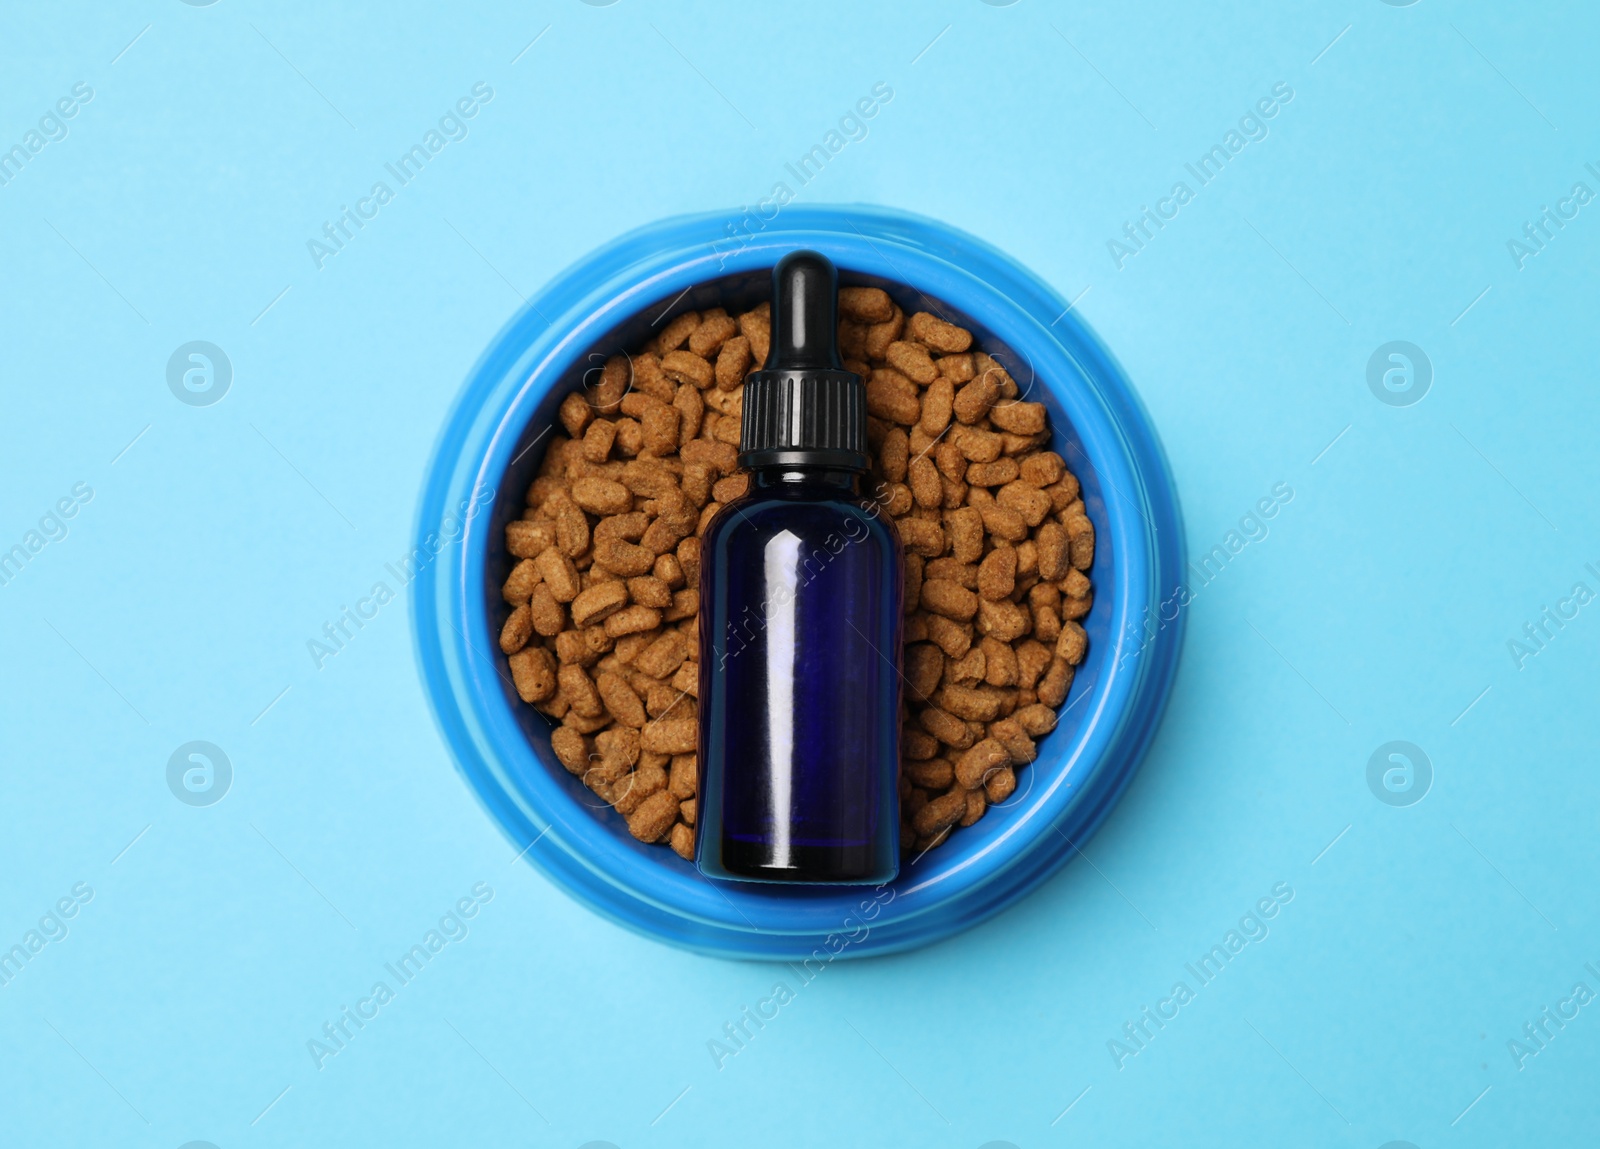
pixel 630 438
pixel 571 646
pixel 647 379
pixel 1043 469
pixel 671 736
pixel 880 335
pixel 648 590
pixel 1019 418
pixel 1047 623
pixel 697 482
pixel 966 670
pixel 924 667
pixel 602 496
pixel 1055 684
pixel 1000 662
pixel 520 582
pixel 662 700
pixel 1033 505
pixel 618 750
pixel 558 573
pixel 1033 659
pixel 548 616
pixel 937 404
pixel 958 369
pixel 628 527
pixel 896 500
pixel 1080 541
pixel 887 399
pixel 955 570
pixel 934 332
pixel 633 620
pixel 866 304
pixel 894 455
pixel 978 445
pixel 605 395
pixel 571 749
pixel 973 767
pixel 912 361
pixel 966 534
pixel 659 430
pixel 684 777
pixel 1027 562
pixel 1063 493
pixel 654 817
pixel 598 439
pixel 932 774
pixel 579 688
pixel 922 537
pixel 952 600
pixel 682 841
pixel 946 728
pixel 688 553
pixel 731 488
pixel 624 558
pixel 572 530
pixel 1003 522
pixel 954 638
pixel 620 699
pixel 969 703
pixel 976 805
pixel 685 604
pixel 912 586
pixel 733 363
pixel 916 744
pixel 923 479
pixel 852 342
pixel 1001 785
pixel 1006 621
pixel 533 672
pixel 1010 734
pixel 714 331
pixel 997 576
pixel 756 326
pixel 526 539
pixel 1072 643
pixel 517 630
pixel 1053 551
pixel 1038 719
pixel 973 401
pixel 994 474
pixel 582 723
pixel 575 414
pixel 691 410
pixel 676 333
pixel 952 464
pixel 945 810
pixel 687 367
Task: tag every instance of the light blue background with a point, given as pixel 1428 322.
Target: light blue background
pixel 1378 608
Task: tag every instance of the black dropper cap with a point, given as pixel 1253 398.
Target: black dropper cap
pixel 803 409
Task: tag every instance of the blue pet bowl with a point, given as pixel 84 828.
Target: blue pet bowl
pixel 491 448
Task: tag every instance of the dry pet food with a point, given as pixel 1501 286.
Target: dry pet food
pixel 605 562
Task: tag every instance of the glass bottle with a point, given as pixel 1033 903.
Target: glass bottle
pixel 801 589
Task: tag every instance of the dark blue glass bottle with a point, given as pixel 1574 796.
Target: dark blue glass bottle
pixel 800 610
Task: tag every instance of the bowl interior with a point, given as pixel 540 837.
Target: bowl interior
pixel 736 292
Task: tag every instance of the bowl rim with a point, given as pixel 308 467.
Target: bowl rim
pixel 1137 520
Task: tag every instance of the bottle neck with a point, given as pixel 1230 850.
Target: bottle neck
pixel 789 478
